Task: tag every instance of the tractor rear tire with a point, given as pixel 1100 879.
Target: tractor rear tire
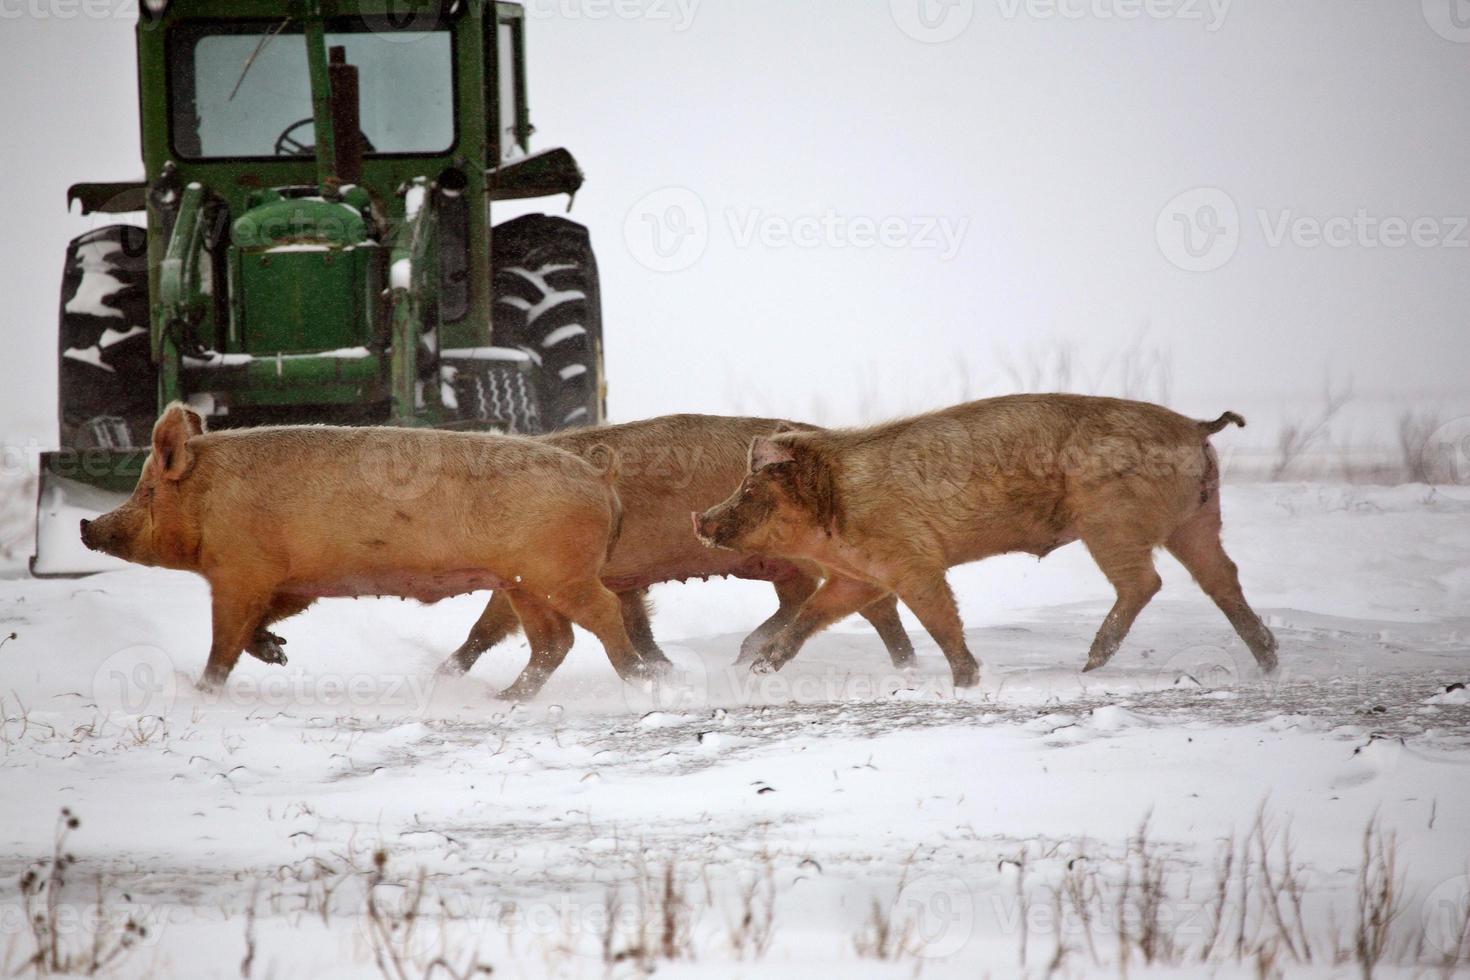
pixel 547 301
pixel 493 393
pixel 107 384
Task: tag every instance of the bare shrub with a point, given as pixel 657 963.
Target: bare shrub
pixel 754 926
pixel 1415 428
pixel 1138 370
pixel 1380 889
pixel 1052 368
pixel 107 938
pixel 887 934
pixel 663 919
pixel 1300 437
pixel 1458 953
pixel 1154 938
pixel 1286 891
pixel 391 931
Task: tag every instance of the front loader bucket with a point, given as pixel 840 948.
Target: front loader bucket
pixel 77 484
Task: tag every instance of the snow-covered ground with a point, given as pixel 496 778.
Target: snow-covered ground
pixel 837 817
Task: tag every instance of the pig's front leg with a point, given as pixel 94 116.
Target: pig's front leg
pixel 235 614
pixel 928 597
pixel 838 597
pixel 883 614
pixel 790 594
pixel 266 646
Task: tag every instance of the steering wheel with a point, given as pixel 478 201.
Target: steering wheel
pixel 288 145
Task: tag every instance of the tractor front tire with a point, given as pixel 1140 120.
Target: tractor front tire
pixel 107 383
pixel 547 301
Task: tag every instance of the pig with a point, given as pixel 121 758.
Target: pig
pixel 274 518
pixel 667 467
pixel 891 508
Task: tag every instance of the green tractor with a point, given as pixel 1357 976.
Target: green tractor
pixel 319 179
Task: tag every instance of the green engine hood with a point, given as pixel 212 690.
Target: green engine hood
pixel 275 219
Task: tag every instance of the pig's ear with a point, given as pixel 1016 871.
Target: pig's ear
pixel 171 434
pixel 767 452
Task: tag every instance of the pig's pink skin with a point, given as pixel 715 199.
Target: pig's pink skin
pixel 889 509
pixel 274 518
pixel 667 468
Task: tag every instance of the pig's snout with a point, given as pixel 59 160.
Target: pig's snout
pixel 100 535
pixel 709 530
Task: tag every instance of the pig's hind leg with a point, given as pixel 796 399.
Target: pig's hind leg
pixel 1127 559
pixel 1197 546
pixel 498 621
pixel 591 606
pixel 883 615
pixel 550 636
pixel 635 609
pixel 930 598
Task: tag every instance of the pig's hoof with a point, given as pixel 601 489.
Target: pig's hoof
pixel 267 648
pixel 655 659
pixel 650 671
pixel 450 669
pixel 518 692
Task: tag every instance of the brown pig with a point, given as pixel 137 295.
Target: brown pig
pixel 890 508
pixel 274 518
pixel 667 467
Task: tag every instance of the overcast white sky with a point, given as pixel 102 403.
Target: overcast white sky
pixel 1046 139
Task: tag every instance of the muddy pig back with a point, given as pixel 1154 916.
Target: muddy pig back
pixel 668 467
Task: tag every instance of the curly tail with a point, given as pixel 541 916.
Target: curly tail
pixel 602 457
pixel 1210 428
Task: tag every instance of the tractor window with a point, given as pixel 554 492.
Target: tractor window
pixel 247 93
pixel 508 67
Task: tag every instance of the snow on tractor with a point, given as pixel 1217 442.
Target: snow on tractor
pixel 318 182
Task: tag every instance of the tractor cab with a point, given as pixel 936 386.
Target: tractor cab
pixel 316 242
